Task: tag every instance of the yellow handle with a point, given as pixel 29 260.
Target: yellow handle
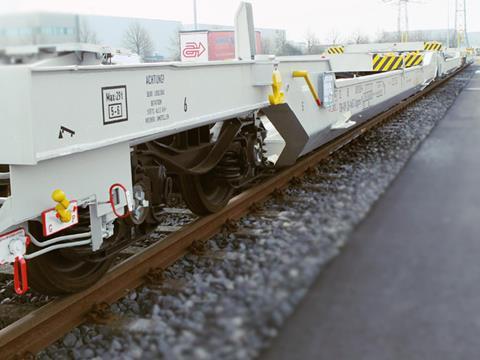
pixel 62 206
pixel 304 74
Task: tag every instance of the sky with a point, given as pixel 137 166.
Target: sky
pixel 322 17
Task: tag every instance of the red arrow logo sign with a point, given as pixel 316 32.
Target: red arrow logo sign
pixel 193 49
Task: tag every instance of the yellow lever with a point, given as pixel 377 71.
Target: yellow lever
pixel 304 74
pixel 62 207
pixel 278 97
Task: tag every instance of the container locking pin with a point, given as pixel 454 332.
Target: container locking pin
pixel 62 207
pixel 278 97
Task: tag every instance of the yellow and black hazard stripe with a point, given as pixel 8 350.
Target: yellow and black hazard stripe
pixel 335 50
pixel 432 46
pixel 386 62
pixel 413 59
pixel 390 62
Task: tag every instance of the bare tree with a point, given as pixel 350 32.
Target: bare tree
pixel 419 35
pixel 267 46
pixel 86 34
pixel 280 41
pixel 288 49
pixel 138 40
pixel 333 37
pixel 359 38
pixel 385 36
pixel 174 48
pixel 313 44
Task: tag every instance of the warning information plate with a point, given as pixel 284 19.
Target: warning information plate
pixel 52 223
pixel 114 102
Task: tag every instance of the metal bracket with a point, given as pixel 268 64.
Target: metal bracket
pixel 95 227
pixel 196 160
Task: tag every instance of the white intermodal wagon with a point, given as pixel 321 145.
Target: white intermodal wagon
pixel 90 149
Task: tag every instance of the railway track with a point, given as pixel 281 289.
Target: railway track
pixel 43 326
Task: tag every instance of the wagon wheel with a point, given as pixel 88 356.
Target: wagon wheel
pixel 205 194
pixel 63 271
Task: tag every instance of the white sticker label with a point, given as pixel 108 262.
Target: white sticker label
pixel 52 223
pixel 114 102
pixel 328 90
pixel 12 244
pixel 194 46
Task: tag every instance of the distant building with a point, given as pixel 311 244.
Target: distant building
pixel 37 28
pixel 474 38
pixel 431 35
pixel 54 28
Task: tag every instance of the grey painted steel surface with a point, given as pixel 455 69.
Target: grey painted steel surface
pixel 407 285
pixel 156 100
pixel 385 47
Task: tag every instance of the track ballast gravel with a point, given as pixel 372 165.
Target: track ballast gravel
pixel 230 300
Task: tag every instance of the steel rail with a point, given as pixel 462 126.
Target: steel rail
pixel 45 325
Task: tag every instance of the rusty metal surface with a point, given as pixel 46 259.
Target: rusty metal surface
pixel 40 328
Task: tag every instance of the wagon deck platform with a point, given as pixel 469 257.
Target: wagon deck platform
pixel 407 285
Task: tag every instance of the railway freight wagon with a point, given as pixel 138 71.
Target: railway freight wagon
pixel 92 150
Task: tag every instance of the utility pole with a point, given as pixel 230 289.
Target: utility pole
pixel 461 34
pixel 195 14
pixel 448 24
pixel 402 21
